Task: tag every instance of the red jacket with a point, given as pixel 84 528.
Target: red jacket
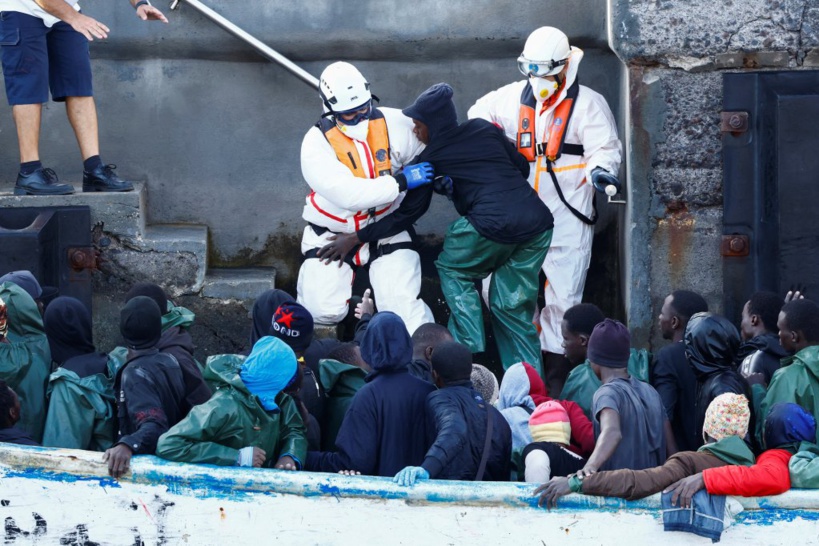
pixel 769 476
pixel 582 429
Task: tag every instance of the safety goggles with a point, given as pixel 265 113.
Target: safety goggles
pixel 356 115
pixel 539 69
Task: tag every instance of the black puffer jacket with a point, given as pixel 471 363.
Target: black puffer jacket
pixel 761 354
pixel 711 344
pixel 457 419
pixel 177 341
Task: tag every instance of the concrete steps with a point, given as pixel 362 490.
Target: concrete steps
pixel 175 255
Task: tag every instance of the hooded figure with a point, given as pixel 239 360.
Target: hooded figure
pixel 384 429
pixel 248 410
pixel 711 344
pixel 25 361
pixel 81 396
pixel 504 231
pixel 516 404
pixel 176 340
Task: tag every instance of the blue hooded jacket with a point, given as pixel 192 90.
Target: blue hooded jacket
pixel 384 429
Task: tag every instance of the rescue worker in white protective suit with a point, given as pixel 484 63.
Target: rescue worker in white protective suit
pixel 568 134
pixel 356 162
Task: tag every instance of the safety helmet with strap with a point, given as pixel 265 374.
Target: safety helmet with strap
pixel 343 88
pixel 545 53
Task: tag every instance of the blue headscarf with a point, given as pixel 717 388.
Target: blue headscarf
pixel 268 369
pixel 788 425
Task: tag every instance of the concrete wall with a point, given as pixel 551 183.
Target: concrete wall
pixel 215 131
pixel 676 52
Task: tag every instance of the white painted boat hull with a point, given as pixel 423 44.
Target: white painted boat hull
pixel 57 496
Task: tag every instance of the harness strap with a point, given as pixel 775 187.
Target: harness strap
pixel 487 444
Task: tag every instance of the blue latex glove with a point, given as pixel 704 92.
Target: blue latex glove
pixel 600 178
pixel 410 475
pixel 443 185
pixel 419 174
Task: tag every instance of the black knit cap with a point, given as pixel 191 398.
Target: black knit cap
pixel 610 344
pixel 293 324
pixel 452 361
pixel 140 323
pixel 434 108
pixel 150 290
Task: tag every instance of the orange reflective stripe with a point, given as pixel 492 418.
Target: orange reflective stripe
pixel 322 211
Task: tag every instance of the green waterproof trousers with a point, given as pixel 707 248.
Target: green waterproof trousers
pixel 468 257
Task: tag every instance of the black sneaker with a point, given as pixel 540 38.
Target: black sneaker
pixel 103 178
pixel 43 181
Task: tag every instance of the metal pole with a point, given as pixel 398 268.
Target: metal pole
pixel 266 51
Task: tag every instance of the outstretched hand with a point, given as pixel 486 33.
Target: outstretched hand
pixel 89 27
pixel 366 306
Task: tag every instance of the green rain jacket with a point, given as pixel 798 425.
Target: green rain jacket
pixel 581 384
pixel 340 381
pixel 804 467
pixel 796 381
pixel 25 362
pixel 81 410
pixel 215 431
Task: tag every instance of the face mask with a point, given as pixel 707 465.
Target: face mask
pixel 357 131
pixel 542 88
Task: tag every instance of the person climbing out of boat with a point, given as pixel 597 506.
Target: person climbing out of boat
pixel 150 387
pixel 383 430
pixel 504 230
pixel 249 421
pixel 81 405
pixel 9 416
pixel 785 429
pixel 672 376
pixel 726 425
pixel 472 440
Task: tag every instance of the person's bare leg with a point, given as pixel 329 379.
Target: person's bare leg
pixel 82 114
pixel 27 119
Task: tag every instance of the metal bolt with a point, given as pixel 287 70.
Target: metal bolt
pixel 735 122
pixel 737 244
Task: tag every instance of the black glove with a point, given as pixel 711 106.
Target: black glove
pixel 442 185
pixel 600 178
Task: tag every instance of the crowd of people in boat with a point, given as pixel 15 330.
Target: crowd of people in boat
pixel 731 411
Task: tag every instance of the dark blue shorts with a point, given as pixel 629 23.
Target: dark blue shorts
pixel 37 58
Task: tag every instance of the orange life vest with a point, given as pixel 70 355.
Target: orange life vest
pixel 378 140
pixel 555 146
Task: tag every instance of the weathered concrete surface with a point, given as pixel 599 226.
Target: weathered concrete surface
pixel 122 214
pixel 238 284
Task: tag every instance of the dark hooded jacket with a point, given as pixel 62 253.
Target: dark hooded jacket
pixel 711 344
pixel 489 181
pixel 761 354
pixel 457 421
pixel 383 431
pixel 177 341
pixel 13 435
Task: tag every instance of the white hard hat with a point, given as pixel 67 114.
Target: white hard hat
pixel 343 88
pixel 545 53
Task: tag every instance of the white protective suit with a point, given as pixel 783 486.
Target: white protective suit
pixel 341 203
pixel 592 125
